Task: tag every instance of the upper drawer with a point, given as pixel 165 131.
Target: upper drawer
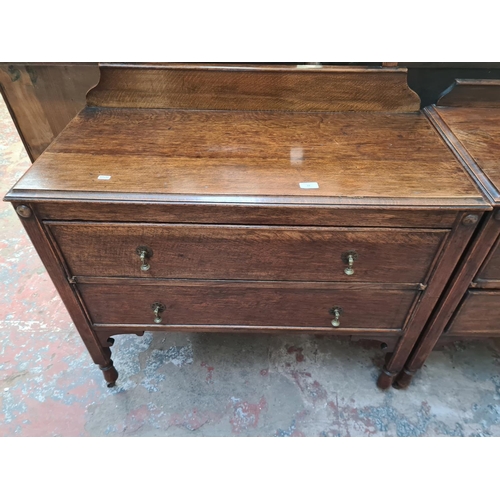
pixel 247 252
pixel 490 270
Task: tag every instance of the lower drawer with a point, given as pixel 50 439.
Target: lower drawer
pixel 252 304
pixel 478 315
pixel 489 274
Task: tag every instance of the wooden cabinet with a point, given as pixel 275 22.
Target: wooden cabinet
pixel 468 118
pixel 250 199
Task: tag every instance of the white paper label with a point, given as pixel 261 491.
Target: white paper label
pixel 309 185
pixel 309 66
pixel 104 177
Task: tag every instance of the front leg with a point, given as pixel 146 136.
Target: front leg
pixel 386 378
pixel 404 379
pixel 108 370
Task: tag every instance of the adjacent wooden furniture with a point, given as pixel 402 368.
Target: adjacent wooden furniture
pixel 249 199
pixel 44 97
pixel 468 118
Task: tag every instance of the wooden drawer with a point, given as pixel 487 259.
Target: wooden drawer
pixel 248 252
pixel 251 304
pixel 490 270
pixel 479 314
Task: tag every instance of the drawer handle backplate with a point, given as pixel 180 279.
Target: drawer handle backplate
pixel 336 312
pixel 144 254
pixel 349 258
pixel 158 308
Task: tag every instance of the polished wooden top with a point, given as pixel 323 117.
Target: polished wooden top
pixel 228 156
pixel 478 130
pixel 468 117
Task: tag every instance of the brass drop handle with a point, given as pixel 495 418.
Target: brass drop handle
pixel 349 258
pixel 158 308
pixel 336 312
pixel 144 254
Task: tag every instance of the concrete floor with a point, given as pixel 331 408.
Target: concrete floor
pixel 211 385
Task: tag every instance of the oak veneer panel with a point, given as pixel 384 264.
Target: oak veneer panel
pixel 210 87
pixel 258 252
pixel 357 158
pixel 478 315
pixel 478 130
pixel 250 304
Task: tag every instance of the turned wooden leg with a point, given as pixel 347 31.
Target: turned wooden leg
pixel 108 370
pixel 404 379
pixel 385 379
pixel 387 376
pixel 110 373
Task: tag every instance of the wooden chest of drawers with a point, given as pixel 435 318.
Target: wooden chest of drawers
pixel 252 199
pixel 468 117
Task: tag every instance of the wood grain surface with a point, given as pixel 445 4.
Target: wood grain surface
pixel 248 252
pixel 355 158
pixel 478 130
pixel 298 305
pixel 263 88
pixel 483 182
